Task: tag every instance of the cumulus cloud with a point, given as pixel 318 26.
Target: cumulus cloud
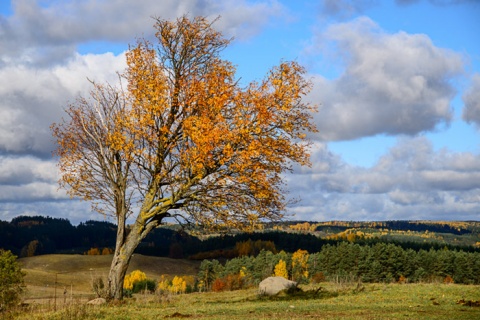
pixel 411 181
pixel 31 99
pixel 392 84
pixel 471 99
pixel 41 72
pixel 27 179
pixel 46 31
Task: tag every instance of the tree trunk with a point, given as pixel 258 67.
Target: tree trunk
pixel 119 266
pixel 124 249
pixel 118 269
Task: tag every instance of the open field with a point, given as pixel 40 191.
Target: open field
pixel 332 301
pixel 74 273
pixel 373 301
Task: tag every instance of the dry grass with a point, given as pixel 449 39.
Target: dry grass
pixel 332 301
pixel 74 274
pixel 374 301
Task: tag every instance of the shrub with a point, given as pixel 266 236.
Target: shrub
pixel 132 278
pixel 98 287
pixel 448 280
pixel 318 277
pixel 93 252
pixel 176 286
pixel 107 251
pixel 402 279
pixel 147 284
pixel 218 285
pixel 11 280
pixel 233 282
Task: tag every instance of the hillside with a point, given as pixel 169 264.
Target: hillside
pixel 75 272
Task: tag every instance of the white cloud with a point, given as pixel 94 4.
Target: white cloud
pixel 471 98
pixel 31 99
pixel 48 31
pixel 41 72
pixel 393 83
pixel 411 181
pixel 27 179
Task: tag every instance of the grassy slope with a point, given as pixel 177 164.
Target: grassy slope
pixel 75 272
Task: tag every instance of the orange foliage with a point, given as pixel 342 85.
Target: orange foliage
pixel 252 248
pixel 185 125
pixel 448 280
pixel 93 252
pixel 97 252
pixel 219 285
pixel 182 138
pixel 107 251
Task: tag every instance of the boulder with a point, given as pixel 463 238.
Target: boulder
pixel 273 285
pixel 97 302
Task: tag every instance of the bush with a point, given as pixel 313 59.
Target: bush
pixel 141 286
pixel 318 277
pixel 98 287
pixel 11 280
pixel 218 285
pixel 132 278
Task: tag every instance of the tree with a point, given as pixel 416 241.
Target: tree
pixel 11 280
pixel 281 269
pixel 181 138
pixel 300 265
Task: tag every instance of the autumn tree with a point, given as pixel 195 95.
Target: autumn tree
pixel 181 138
pixel 281 269
pixel 300 265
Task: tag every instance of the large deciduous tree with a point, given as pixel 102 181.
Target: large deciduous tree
pixel 181 138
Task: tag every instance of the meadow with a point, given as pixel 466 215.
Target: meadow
pixel 65 298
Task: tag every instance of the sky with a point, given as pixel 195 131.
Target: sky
pixel 397 84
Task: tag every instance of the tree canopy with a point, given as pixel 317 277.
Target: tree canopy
pixel 181 138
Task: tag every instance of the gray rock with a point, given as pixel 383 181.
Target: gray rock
pixel 97 302
pixel 273 285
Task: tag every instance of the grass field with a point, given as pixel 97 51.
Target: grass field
pixel 332 301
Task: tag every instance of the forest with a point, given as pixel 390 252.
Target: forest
pixel 29 236
pixel 258 254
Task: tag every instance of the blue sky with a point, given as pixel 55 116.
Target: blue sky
pixel 397 84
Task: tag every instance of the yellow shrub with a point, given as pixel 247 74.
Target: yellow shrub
pixel 134 276
pixel 177 285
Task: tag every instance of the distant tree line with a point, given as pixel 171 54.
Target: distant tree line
pixel 422 227
pixel 29 236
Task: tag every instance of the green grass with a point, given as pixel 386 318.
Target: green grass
pixel 372 301
pixel 332 301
